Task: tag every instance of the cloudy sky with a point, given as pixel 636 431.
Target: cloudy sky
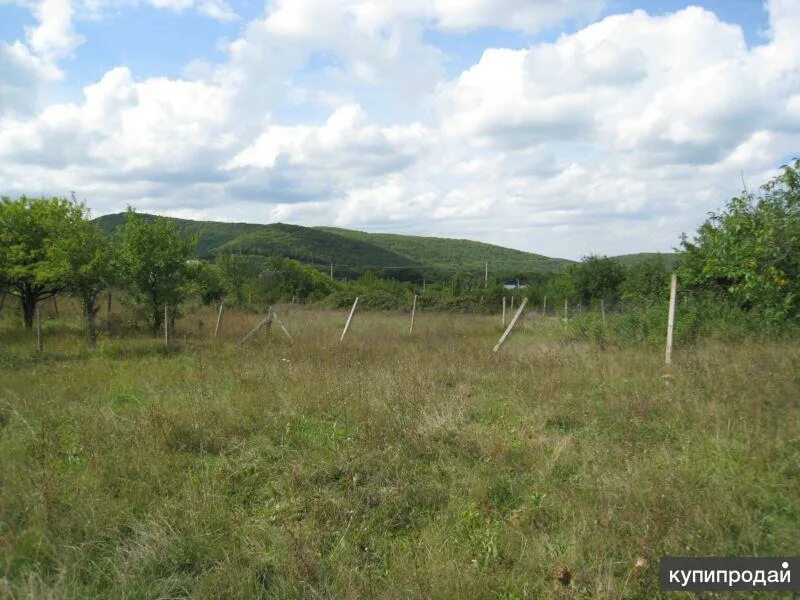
pixel 564 127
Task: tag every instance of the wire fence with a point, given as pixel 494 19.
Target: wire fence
pixel 625 322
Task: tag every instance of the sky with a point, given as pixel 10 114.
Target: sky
pixel 562 127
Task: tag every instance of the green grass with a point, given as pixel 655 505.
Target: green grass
pixel 387 466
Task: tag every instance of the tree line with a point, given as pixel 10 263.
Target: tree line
pixel 746 256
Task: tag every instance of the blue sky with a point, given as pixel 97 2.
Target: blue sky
pixel 564 127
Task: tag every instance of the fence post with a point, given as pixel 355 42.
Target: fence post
pixel 566 312
pixel 510 326
pixel 257 327
pixel 544 306
pixel 282 326
pixel 603 311
pixel 166 328
pixel 504 311
pixel 413 313
pixel 671 318
pixel 349 318
pixel 219 318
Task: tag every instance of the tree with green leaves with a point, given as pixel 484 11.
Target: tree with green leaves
pixel 284 278
pixel 750 251
pixel 84 258
pixel 237 272
pixel 597 278
pixel 207 281
pixel 29 228
pixel 153 259
pixel 647 281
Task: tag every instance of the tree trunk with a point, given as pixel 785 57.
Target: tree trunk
pixel 28 301
pixel 90 310
pixel 158 319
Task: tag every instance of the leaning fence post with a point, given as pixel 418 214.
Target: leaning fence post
pixel 510 326
pixel 256 328
pixel 349 318
pixel 413 313
pixel 219 318
pixel 282 326
pixel 671 318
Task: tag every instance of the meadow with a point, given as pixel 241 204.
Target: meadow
pixel 390 465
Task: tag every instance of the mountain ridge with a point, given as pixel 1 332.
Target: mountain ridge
pixel 351 250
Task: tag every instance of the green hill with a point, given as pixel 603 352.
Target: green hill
pixel 630 260
pixel 352 251
pixel 310 245
pixel 306 244
pixel 449 254
pixel 211 234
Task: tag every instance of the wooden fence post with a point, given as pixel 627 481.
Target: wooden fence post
pixel 282 326
pixel 258 326
pixel 166 328
pixel 566 312
pixel 413 313
pixel 219 318
pixel 510 326
pixel 603 311
pixel 504 311
pixel 349 318
pixel 671 318
pixel 544 306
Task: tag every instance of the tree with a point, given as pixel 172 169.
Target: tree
pixel 560 288
pixel 84 258
pixel 647 281
pixel 597 278
pixel 237 271
pixel 29 228
pixel 284 278
pixel 153 258
pixel 750 251
pixel 207 281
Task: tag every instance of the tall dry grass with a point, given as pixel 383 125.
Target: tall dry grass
pixel 390 465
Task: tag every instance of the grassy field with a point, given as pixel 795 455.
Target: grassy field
pixel 392 465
